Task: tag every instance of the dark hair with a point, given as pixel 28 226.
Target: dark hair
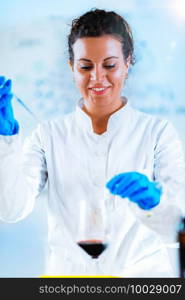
pixel 97 22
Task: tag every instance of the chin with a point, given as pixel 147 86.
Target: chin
pixel 101 102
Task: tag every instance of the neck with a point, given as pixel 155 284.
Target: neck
pixel 99 113
pixel 100 116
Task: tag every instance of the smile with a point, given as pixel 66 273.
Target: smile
pixel 99 91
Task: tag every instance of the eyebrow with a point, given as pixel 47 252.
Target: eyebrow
pixel 88 60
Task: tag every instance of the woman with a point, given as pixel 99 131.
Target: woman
pixel 103 148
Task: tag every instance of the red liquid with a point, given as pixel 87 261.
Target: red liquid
pixel 92 247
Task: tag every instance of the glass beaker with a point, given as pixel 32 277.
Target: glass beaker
pixel 93 231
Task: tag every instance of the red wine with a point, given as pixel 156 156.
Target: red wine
pixel 93 247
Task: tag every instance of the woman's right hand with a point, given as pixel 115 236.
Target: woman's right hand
pixel 8 124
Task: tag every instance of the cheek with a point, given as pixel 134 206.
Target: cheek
pixel 118 77
pixel 80 80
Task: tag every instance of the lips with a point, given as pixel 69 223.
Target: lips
pixel 99 90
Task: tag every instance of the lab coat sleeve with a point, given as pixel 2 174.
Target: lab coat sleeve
pixel 169 172
pixel 23 174
pixel 169 168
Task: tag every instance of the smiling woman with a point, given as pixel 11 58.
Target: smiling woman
pixel 98 160
pixel 100 71
pixel 101 50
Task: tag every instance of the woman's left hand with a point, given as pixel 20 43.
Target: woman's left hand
pixel 137 188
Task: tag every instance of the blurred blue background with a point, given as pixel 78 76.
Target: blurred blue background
pixel 33 53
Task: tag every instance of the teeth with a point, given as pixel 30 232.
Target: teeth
pixel 98 89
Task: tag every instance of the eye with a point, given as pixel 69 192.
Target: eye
pixel 109 66
pixel 85 67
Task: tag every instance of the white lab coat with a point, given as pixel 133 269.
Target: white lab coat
pixel 76 163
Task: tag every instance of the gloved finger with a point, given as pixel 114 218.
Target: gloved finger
pixel 6 88
pixel 127 180
pixel 133 190
pixel 117 179
pixel 146 204
pixel 136 192
pixel 113 181
pixel 146 194
pixel 122 185
pixel 149 203
pixel 4 127
pixel 7 112
pixel 5 100
pixel 142 194
pixel 2 80
pixel 136 183
pixel 123 181
pixel 153 190
pixel 8 128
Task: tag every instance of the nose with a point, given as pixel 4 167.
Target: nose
pixel 98 73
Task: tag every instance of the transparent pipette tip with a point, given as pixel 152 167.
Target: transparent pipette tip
pixel 26 107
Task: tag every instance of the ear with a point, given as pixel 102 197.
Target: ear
pixel 71 65
pixel 127 63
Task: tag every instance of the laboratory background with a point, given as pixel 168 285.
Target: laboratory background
pixel 33 53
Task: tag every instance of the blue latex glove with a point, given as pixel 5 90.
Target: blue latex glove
pixel 137 188
pixel 8 125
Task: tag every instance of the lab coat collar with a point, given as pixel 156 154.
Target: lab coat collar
pixel 116 119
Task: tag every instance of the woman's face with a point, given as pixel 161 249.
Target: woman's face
pixel 99 70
